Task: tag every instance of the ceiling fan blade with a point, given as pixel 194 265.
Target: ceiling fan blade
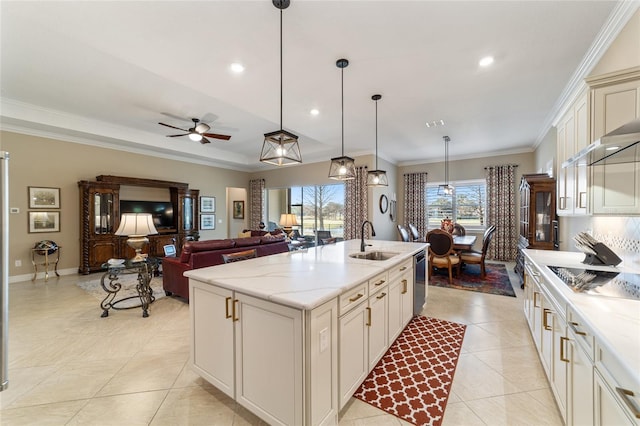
pixel 204 140
pixel 175 136
pixel 217 136
pixel 173 127
pixel 176 117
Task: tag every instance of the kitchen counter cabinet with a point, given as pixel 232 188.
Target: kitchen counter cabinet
pixel 302 314
pixel 592 347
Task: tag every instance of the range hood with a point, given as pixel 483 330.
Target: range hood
pixel 621 145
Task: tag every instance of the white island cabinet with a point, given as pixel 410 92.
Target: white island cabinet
pixel 291 336
pixel 589 345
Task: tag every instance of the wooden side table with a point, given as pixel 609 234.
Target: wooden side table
pixel 45 253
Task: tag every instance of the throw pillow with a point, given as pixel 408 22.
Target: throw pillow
pixel 244 234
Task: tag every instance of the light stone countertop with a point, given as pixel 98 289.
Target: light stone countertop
pixel 615 321
pixel 305 279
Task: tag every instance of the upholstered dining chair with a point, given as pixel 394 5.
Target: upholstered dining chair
pixel 415 236
pixel 240 255
pixel 476 257
pixel 404 234
pixel 441 253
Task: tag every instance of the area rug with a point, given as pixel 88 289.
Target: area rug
pixel 128 282
pixel 413 379
pixel 496 282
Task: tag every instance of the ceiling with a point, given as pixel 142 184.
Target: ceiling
pixel 106 73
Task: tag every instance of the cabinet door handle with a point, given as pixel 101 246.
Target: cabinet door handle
pixel 404 289
pixel 379 283
pixel 563 203
pixel 404 268
pixel 545 324
pixel 226 307
pixel 381 296
pixel 356 297
pixel 582 200
pixel 535 299
pixel 368 324
pixel 574 326
pixel 625 394
pixel 562 349
pixel 234 310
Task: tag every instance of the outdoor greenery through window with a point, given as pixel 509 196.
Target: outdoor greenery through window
pixel 466 206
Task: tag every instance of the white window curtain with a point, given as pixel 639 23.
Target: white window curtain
pixel 501 211
pixel 415 189
pixel 355 204
pixel 257 199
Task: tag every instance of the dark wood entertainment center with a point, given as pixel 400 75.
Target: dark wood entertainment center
pixel 100 218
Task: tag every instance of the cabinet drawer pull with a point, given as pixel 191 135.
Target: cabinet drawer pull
pixel 379 283
pixel 535 299
pixel 404 289
pixel 404 268
pixel 226 307
pixel 545 324
pixel 368 324
pixel 381 296
pixel 575 330
pixel 562 349
pixel 582 200
pixel 356 297
pixel 625 394
pixel 234 311
pixel 563 203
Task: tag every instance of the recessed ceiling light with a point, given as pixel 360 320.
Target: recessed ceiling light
pixel 237 67
pixel 486 61
pixel 314 112
pixel 435 123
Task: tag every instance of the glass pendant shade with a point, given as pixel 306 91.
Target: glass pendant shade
pixel 377 178
pixel 280 148
pixel 342 168
pixel 446 188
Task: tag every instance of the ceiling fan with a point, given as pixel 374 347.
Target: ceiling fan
pixel 198 133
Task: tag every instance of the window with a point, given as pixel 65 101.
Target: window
pixel 466 206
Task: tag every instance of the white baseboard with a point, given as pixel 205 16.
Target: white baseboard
pixel 52 275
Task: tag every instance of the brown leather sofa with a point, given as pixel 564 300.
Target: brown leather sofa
pixel 200 254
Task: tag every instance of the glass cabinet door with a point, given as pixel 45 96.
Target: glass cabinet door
pixel 543 216
pixel 187 212
pixel 103 213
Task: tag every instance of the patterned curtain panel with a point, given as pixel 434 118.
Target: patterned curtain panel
pixel 355 204
pixel 415 185
pixel 501 211
pixel 257 200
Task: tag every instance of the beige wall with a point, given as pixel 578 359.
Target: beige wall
pixel 37 161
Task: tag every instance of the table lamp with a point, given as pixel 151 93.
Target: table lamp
pixel 136 226
pixel 288 220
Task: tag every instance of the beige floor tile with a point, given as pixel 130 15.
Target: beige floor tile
pixel 518 364
pixel 131 410
pixel 23 380
pixel 458 414
pixel 195 406
pixel 475 380
pixel 514 409
pixel 355 409
pixel 42 415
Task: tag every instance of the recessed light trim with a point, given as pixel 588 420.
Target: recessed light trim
pixel 314 111
pixel 486 61
pixel 237 67
pixel 434 123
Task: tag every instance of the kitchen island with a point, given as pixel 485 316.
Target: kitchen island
pixel 589 344
pixel 291 336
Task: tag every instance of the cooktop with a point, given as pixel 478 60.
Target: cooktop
pixel 603 283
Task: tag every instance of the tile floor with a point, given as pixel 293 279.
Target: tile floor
pixel 68 366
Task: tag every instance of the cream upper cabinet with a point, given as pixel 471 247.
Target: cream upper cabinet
pixel 615 101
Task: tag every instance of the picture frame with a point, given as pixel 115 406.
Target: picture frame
pixel 207 221
pixel 238 209
pixel 44 221
pixel 207 204
pixel 41 197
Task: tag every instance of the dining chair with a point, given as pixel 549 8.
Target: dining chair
pixel 414 232
pixel 441 253
pixel 240 255
pixel 404 234
pixel 476 257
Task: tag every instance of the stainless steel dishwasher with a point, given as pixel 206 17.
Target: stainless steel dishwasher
pixel 419 281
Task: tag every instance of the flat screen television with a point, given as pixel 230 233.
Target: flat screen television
pixel 161 211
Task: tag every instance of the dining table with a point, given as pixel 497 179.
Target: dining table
pixel 463 242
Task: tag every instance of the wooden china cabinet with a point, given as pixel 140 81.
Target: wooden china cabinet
pixel 537 215
pixel 100 218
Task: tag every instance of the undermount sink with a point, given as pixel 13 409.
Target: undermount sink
pixel 373 255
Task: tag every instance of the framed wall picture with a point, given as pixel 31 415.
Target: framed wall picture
pixel 207 204
pixel 207 221
pixel 238 209
pixel 44 222
pixel 44 198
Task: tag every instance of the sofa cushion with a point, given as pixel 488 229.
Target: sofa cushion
pixel 244 234
pixel 243 242
pixel 268 239
pixel 206 245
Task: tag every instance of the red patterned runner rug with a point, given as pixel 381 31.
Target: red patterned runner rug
pixel 413 379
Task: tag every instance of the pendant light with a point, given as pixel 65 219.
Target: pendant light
pixel 280 147
pixel 343 167
pixel 446 189
pixel 377 177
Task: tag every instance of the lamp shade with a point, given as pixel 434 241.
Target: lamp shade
pixel 136 224
pixel 288 220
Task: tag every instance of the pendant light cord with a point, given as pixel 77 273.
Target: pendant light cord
pixel 376 135
pixel 342 104
pixel 280 69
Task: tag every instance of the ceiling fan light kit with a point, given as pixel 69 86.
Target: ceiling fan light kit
pixel 280 147
pixel 446 189
pixel 343 167
pixel 377 177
